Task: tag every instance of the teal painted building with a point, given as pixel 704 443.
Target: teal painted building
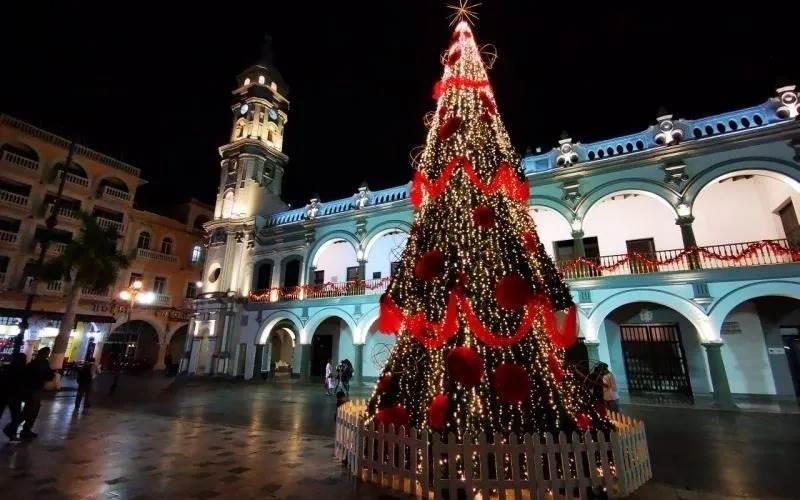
pixel 678 243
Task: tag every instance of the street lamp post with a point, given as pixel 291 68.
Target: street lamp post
pixel 135 295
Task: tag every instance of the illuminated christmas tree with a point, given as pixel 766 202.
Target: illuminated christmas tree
pixel 481 312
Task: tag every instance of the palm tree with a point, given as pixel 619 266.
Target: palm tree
pixel 91 261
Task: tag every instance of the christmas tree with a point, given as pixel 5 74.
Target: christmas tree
pixel 476 300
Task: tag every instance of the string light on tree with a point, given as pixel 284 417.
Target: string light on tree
pixel 475 301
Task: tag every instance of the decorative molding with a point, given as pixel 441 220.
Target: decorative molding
pixel 571 192
pixel 675 174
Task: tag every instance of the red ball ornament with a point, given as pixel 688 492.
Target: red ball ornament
pixel 555 367
pixel 429 266
pixel 438 90
pixel 511 383
pixel 385 384
pixel 465 366
pixel 449 127
pixel 530 240
pixel 512 292
pixel 417 325
pixel 483 216
pixel 583 422
pixel 438 411
pixel 395 415
pixel 391 316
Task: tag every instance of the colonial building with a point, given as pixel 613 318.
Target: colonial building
pixel 166 253
pixel 680 244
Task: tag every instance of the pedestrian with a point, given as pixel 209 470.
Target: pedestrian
pixel 346 374
pixel 37 374
pixel 12 392
pixel 86 374
pixel 328 380
pixel 610 395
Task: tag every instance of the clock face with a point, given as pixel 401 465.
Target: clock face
pixel 273 115
pixel 244 109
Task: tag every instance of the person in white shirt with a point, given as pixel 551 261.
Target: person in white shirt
pixel 610 395
pixel 328 382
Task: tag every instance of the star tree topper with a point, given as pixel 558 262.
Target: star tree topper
pixel 463 11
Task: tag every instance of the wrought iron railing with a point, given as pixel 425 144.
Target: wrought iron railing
pixel 320 291
pixel 19 200
pixel 754 253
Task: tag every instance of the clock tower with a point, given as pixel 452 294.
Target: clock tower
pixel 253 161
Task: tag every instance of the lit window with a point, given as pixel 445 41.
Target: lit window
pixel 273 86
pixel 197 252
pixel 261 79
pixel 247 81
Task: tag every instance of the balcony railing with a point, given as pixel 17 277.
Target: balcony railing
pixel 51 287
pixel 325 290
pixel 8 237
pixel 95 294
pixel 163 299
pixel 144 253
pixel 76 180
pixel 113 193
pixel 15 199
pixel 109 224
pixel 755 253
pixel 20 161
pixel 53 249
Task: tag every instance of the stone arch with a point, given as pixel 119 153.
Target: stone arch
pixel 75 169
pixel 653 189
pixel 228 201
pixel 113 182
pixel 382 229
pixel 691 311
pixel 365 324
pixel 776 168
pixel 728 302
pixel 551 225
pixel 554 204
pixel 21 149
pixel 273 319
pixel 328 239
pixel 330 312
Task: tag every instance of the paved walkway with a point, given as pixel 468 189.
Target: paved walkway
pixel 196 438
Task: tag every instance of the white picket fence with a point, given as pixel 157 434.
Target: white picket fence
pixel 535 467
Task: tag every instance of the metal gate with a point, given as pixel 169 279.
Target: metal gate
pixel 655 361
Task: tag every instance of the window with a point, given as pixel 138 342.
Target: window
pixel 4 263
pixel 264 276
pixel 166 246
pixel 394 267
pixel 191 290
pixel 790 225
pixel 273 86
pixel 646 248
pixel 135 277
pixel 247 81
pixel 218 236
pixel 261 79
pixel 565 249
pixel 319 277
pixel 227 205
pixel 376 275
pixel 197 252
pixel 352 273
pixel 144 240
pixel 160 285
pixel 213 276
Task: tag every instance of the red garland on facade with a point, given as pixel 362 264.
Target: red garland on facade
pixel 638 258
pixel 505 180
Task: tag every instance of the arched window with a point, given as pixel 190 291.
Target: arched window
pixel 227 205
pixel 144 241
pixel 166 246
pixel 197 253
pixel 247 81
pixel 261 79
pixel 264 276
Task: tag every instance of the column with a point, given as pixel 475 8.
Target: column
pixel 719 378
pixel 305 362
pixel 98 352
pixel 593 352
pixel 358 364
pixel 687 234
pixel 362 269
pixel 162 351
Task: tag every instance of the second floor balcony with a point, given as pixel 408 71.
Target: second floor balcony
pixel 114 194
pixel 109 224
pixel 19 162
pixel 697 259
pixel 143 253
pixel 8 238
pixel 13 199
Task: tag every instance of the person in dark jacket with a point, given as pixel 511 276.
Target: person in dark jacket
pixel 12 392
pixel 37 373
pixel 86 375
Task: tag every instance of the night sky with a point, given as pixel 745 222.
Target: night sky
pixel 152 87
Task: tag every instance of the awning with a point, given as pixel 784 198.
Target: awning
pixel 55 315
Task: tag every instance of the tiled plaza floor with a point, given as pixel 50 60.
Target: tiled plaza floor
pixel 107 454
pixel 201 438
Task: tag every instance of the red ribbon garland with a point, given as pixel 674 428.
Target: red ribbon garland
pixel 435 334
pixel 457 81
pixel 505 180
pixel 639 258
pixel 326 287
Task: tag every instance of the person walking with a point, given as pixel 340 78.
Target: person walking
pixel 346 374
pixel 86 374
pixel 328 381
pixel 12 392
pixel 37 374
pixel 610 395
